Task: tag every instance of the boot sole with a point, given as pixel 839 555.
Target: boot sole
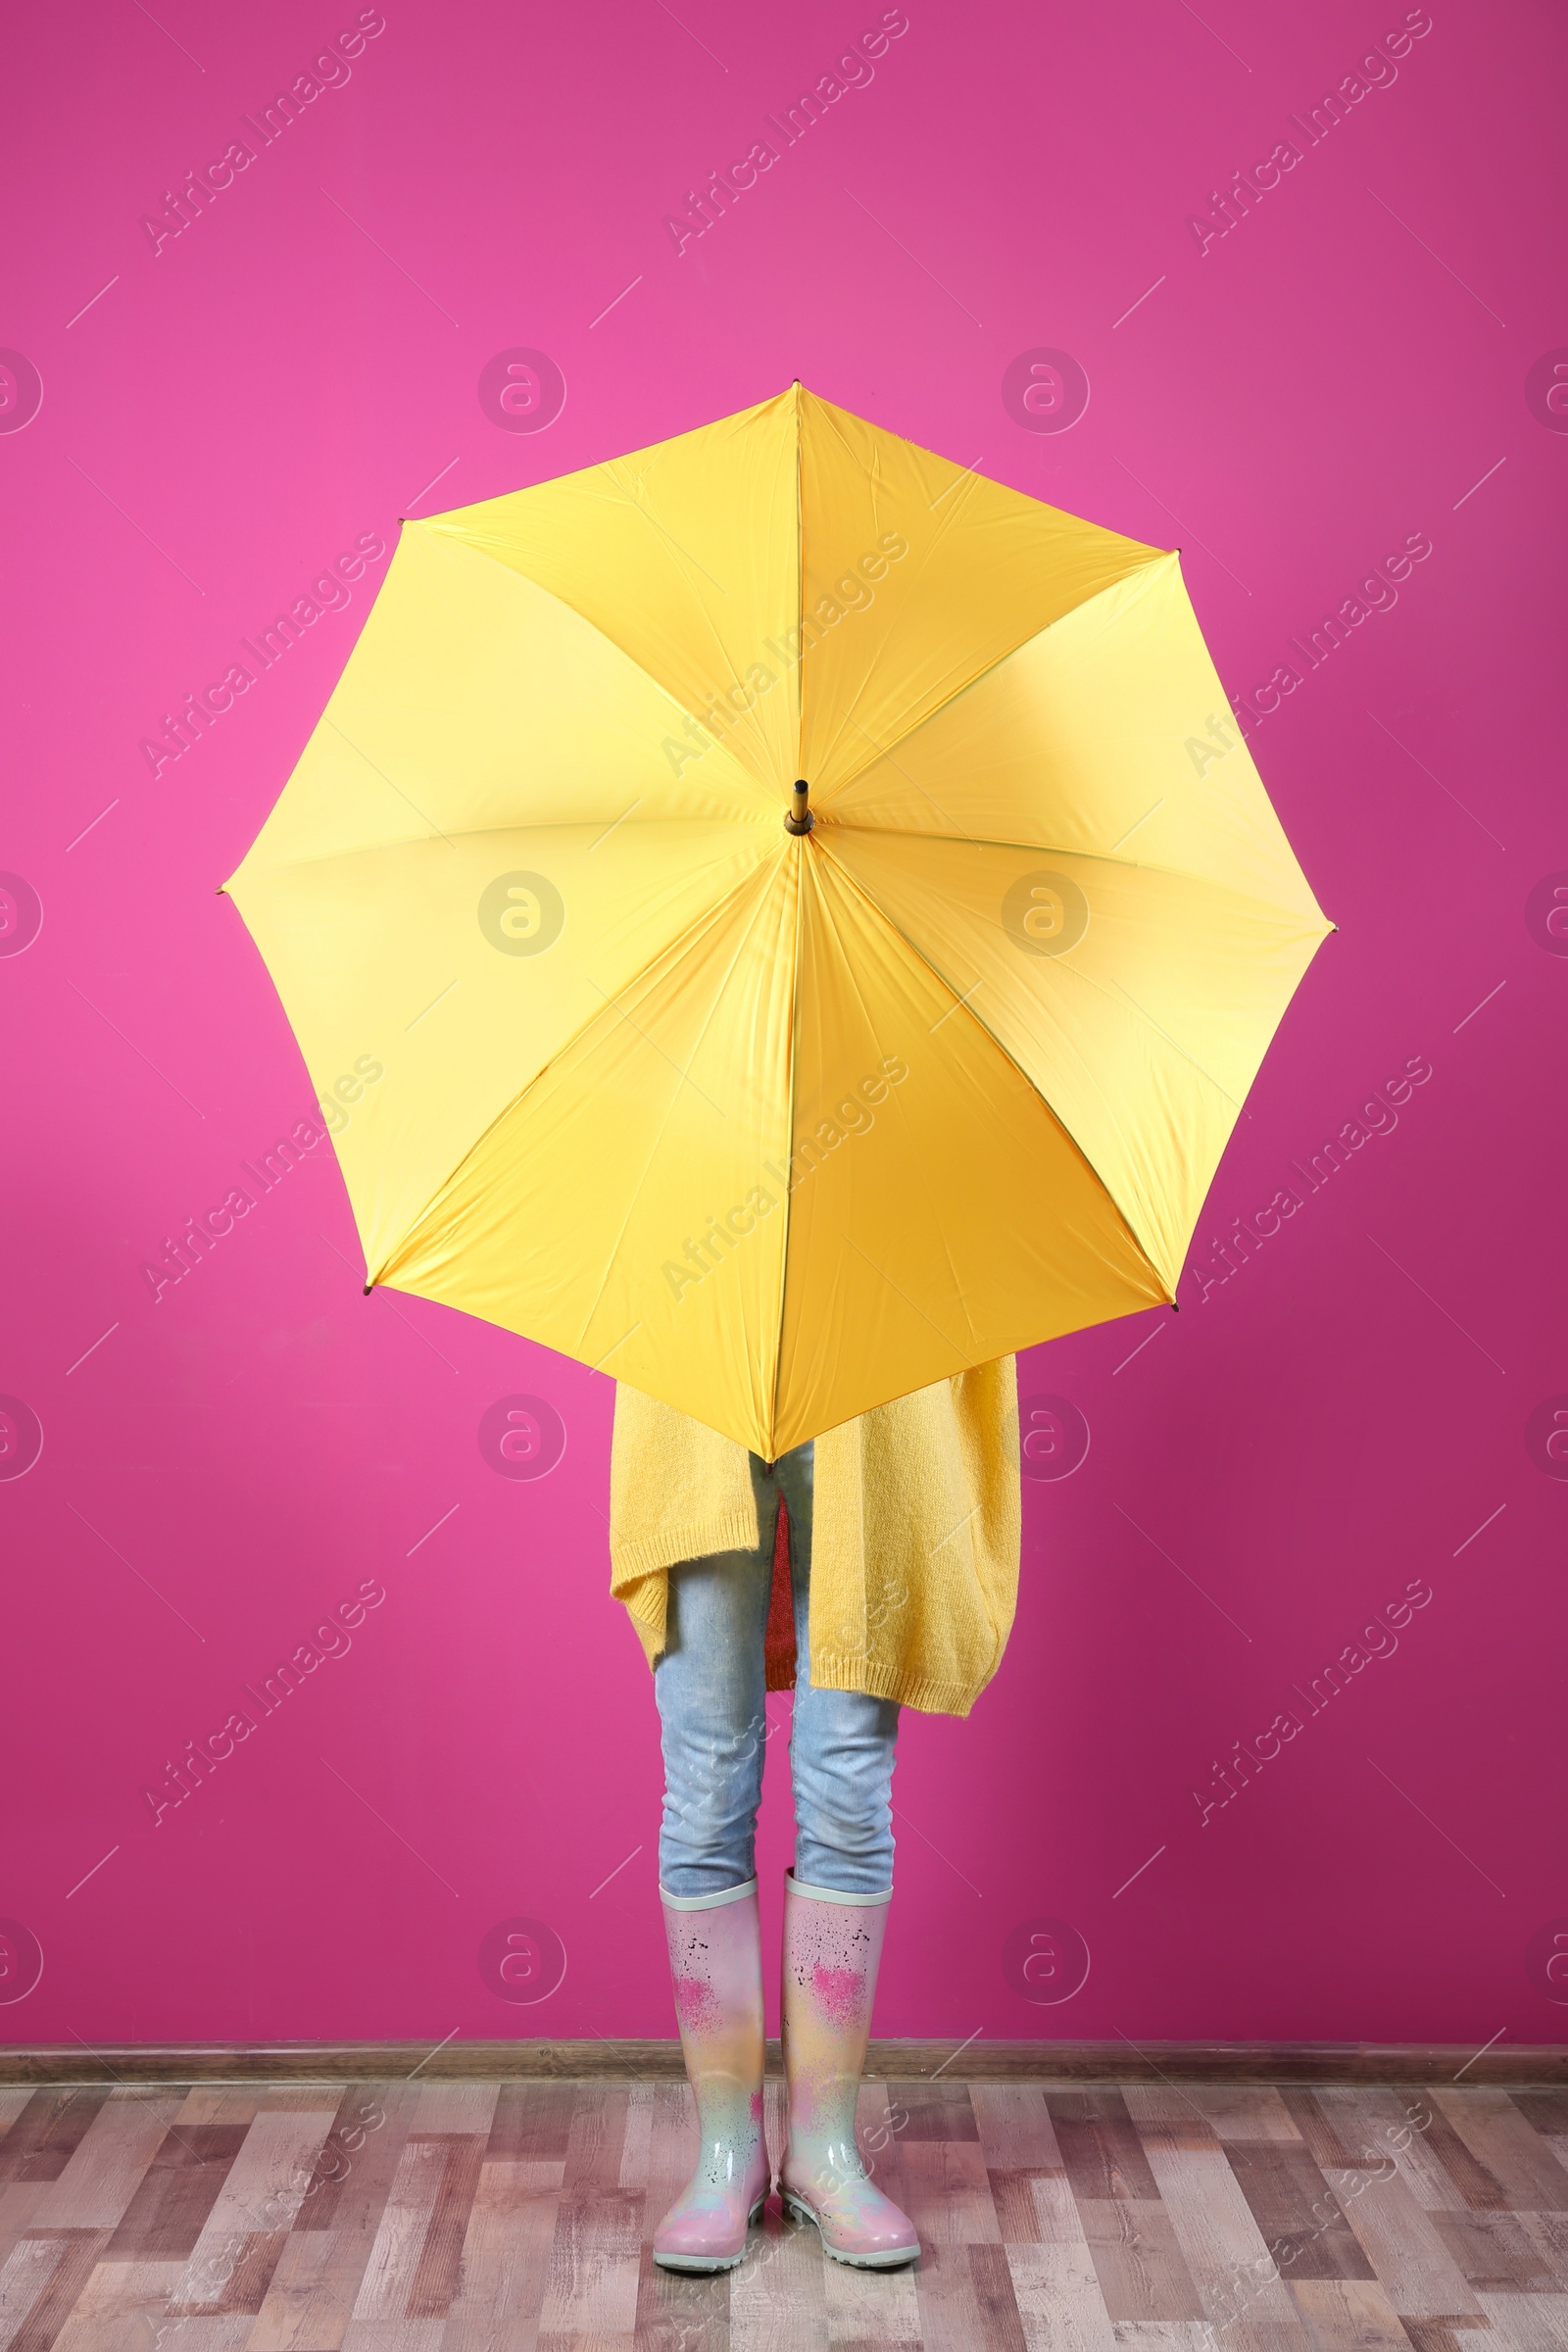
pixel 891 2260
pixel 703 2266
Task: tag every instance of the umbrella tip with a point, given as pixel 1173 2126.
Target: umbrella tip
pixel 365 1292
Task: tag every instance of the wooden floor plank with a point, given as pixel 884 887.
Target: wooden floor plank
pixel 1274 2335
pixel 777 2299
pixel 946 2193
pixel 1349 2315
pixel 1060 2308
pixel 1406 2252
pixel 1016 2133
pixel 505 2257
pixel 120 2308
pixel 594 2262
pixel 1295 2210
pixel 259 2196
pixel 47 2131
pixel 532 2121
pixel 168 2209
pixel 952 2314
pixel 637 2140
pixel 1168 2109
pixel 1550 2232
pixel 870 2308
pixel 220 2103
pixel 1515 2155
pixel 391 2335
pixel 80 2250
pixel 1477 2187
pixel 933 2110
pixel 1376 2124
pixel 311 2293
pixel 14 2097
pixel 109 2162
pixel 1164 2335
pixel 596 2143
pixel 1495 2253
pixel 394 2256
pixel 1524 2324
pixel 24 2277
pixel 1000 2322
pixel 436 2280
pixel 189 2331
pixel 456 2108
pixel 1320 2129
pixel 1227 2256
pixel 679 2313
pixel 357 2161
pixel 1100 2146
pixel 1142 2271
pixel 1245 2110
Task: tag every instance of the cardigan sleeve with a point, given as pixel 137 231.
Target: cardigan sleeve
pixel 915 1543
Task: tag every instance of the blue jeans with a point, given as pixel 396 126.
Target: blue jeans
pixel 711 1685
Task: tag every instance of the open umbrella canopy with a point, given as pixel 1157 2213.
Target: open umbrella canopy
pixel 815 913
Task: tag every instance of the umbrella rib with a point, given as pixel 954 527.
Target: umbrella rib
pixel 828 824
pixel 451 541
pixel 718 993
pixel 1140 572
pixel 671 947
pixel 551 825
pixel 859 996
pixel 1131 1229
pixel 946 525
pixel 789 1154
pixel 979 841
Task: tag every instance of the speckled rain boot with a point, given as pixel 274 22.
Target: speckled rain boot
pixel 832 1945
pixel 716 1961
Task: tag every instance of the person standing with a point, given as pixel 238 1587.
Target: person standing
pixel 896 1587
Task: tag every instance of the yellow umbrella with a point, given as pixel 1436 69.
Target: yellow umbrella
pixel 815 913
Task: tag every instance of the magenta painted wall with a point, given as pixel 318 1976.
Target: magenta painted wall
pixel 1360 359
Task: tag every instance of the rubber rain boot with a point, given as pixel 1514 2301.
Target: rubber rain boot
pixel 832 1948
pixel 716 1963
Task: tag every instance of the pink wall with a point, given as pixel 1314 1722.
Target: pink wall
pixel 1364 1404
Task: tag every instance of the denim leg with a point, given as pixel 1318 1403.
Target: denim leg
pixel 840 1741
pixel 710 1688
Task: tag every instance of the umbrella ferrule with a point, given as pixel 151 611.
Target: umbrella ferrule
pixel 798 819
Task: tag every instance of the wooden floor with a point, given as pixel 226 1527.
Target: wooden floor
pixel 472 2217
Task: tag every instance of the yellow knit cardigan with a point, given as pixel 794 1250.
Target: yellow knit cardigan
pixel 914 1542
